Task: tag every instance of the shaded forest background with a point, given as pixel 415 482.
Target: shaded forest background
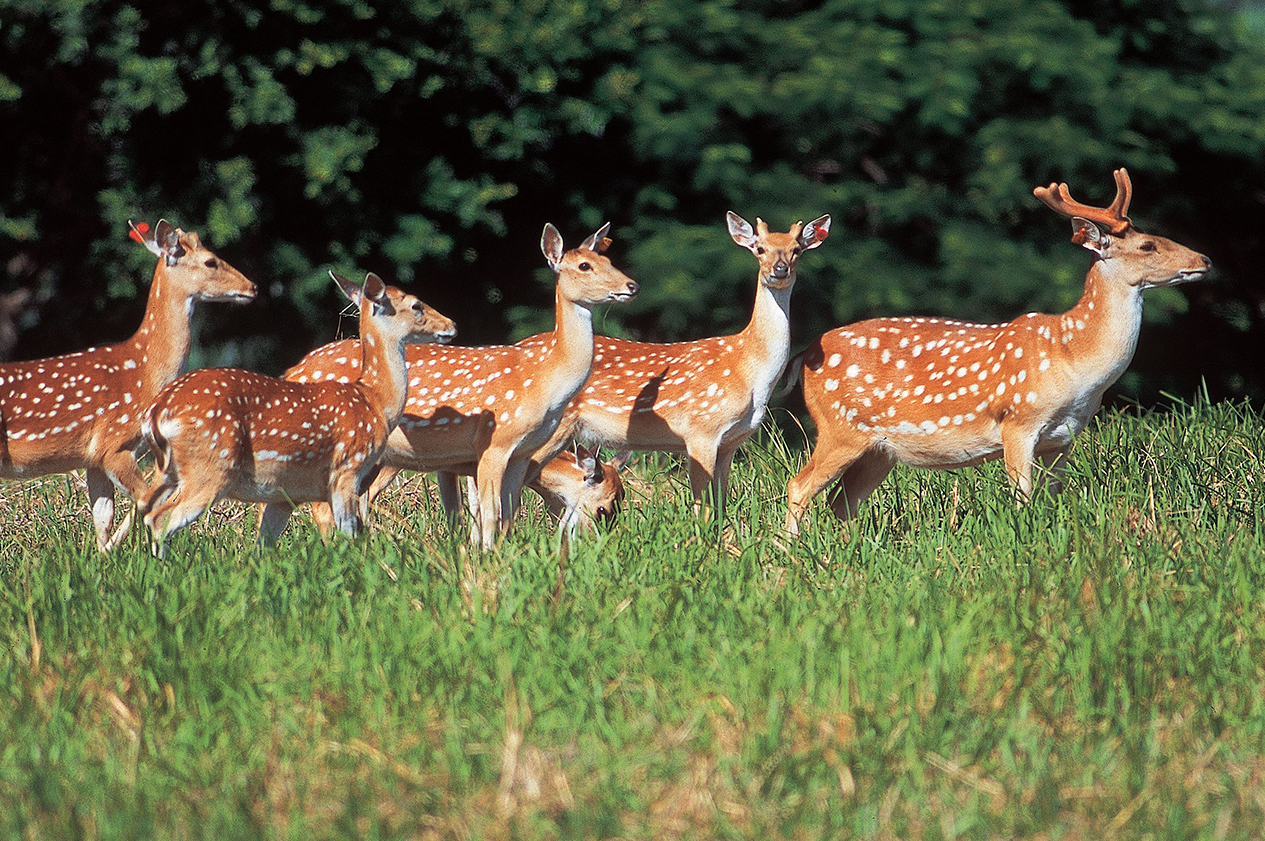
pixel 430 141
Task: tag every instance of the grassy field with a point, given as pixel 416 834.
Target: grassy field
pixel 1091 666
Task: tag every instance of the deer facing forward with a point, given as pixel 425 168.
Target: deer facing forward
pixel 943 394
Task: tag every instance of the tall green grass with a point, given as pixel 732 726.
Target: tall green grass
pixel 950 665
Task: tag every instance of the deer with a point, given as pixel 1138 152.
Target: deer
pixel 943 394
pixel 704 397
pixel 228 433
pixel 487 410
pixel 83 410
pixel 578 489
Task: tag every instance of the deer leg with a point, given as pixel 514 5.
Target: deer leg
pixel 1017 449
pixel 511 492
pixel 272 522
pixel 702 475
pixel 720 475
pixel 101 498
pixel 859 481
pixel 121 470
pixel 449 496
pixel 344 503
pixel 829 460
pixel 490 477
pixel 323 517
pixel 472 501
pixel 1054 464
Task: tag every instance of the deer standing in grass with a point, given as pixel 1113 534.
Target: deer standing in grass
pixel 489 409
pixel 83 410
pixel 704 397
pixel 224 432
pixel 945 394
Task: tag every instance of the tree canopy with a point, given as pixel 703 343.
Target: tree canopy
pixel 430 141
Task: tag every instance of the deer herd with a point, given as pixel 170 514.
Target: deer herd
pixel 337 428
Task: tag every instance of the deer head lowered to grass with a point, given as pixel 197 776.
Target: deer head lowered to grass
pixel 489 409
pixel 942 394
pixel 83 410
pixel 224 432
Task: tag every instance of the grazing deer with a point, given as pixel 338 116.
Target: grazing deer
pixel 705 397
pixel 493 407
pixel 224 432
pixel 944 394
pixel 578 488
pixel 83 410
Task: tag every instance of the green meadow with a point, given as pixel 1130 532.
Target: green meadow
pixel 951 665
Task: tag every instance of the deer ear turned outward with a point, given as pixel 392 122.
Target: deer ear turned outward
pixel 944 394
pixel 83 410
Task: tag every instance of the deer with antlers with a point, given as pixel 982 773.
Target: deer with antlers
pixel 704 397
pixel 83 410
pixel 487 410
pixel 945 394
pixel 224 432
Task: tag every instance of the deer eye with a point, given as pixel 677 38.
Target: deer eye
pixel 601 512
pixel 585 267
pixel 759 249
pixel 211 263
pixel 1147 246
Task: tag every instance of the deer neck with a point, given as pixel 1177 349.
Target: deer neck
pixel 571 357
pixel 1101 331
pixel 383 372
pixel 160 348
pixel 767 337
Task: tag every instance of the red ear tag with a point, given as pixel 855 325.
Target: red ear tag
pixel 135 233
pixel 1080 237
pixel 821 233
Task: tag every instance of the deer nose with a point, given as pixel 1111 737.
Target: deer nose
pixel 633 287
pixel 1207 262
pixel 781 270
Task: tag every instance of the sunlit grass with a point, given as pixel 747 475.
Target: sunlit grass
pixel 949 665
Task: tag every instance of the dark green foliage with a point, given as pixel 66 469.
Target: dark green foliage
pixel 430 141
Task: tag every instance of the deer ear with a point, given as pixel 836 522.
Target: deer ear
pixel 620 461
pixel 588 463
pixel 740 230
pixel 815 232
pixel 167 237
pixel 597 240
pixel 1087 234
pixel 353 291
pixel 551 246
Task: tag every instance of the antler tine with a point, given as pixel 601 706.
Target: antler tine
pixel 1059 199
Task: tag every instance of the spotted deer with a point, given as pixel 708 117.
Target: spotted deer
pixel 227 433
pixel 492 408
pixel 704 397
pixel 83 410
pixel 578 488
pixel 943 394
